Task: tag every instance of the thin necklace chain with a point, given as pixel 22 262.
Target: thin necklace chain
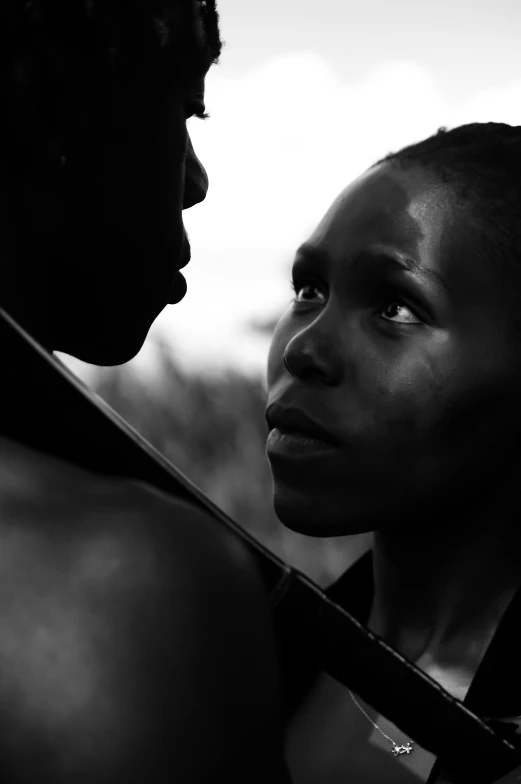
pixel 396 750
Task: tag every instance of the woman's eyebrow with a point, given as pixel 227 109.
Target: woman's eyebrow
pixel 408 263
pixel 309 253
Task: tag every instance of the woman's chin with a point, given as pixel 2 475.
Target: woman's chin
pixel 320 519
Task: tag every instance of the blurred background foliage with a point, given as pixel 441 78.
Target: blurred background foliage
pixel 212 428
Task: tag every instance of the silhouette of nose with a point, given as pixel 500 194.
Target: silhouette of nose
pixel 196 179
pixel 311 358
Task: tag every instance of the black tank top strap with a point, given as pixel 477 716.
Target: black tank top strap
pixel 496 687
pixel 495 691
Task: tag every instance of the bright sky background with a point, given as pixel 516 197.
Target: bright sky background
pixel 307 95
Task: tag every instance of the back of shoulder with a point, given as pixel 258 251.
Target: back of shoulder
pixel 200 647
pixel 40 492
pixel 92 522
pixel 210 645
pixel 161 623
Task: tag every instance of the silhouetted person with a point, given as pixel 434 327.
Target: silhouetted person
pixel 135 634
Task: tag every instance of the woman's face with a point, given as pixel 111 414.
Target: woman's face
pixel 397 345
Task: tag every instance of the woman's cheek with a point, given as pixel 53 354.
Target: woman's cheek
pixel 279 341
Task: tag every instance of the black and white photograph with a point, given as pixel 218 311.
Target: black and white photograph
pixel 260 392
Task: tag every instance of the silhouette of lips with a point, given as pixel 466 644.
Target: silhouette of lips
pixel 178 289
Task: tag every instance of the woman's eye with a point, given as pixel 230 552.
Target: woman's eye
pixel 399 314
pixel 196 110
pixel 308 290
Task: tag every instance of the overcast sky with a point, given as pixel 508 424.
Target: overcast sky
pixel 307 95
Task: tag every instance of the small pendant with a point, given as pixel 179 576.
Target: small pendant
pixel 407 749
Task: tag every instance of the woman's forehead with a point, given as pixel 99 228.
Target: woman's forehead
pixel 390 205
pixel 408 213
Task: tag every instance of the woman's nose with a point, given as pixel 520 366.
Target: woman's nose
pixel 196 179
pixel 312 357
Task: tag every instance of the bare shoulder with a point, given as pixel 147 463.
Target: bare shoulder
pixel 39 493
pixel 136 636
pixel 52 507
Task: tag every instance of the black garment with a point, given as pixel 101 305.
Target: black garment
pixel 495 691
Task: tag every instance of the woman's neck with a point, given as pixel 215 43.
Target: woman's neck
pixel 441 596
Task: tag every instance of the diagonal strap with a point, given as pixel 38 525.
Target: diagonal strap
pixel 62 417
pixel 470 749
pixel 67 420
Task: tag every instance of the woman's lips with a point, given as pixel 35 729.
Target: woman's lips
pixel 178 289
pixel 290 419
pixel 281 443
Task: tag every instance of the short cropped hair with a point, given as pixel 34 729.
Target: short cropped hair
pixel 482 163
pixel 117 22
pixel 99 39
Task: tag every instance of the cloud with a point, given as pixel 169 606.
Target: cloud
pixel 283 140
